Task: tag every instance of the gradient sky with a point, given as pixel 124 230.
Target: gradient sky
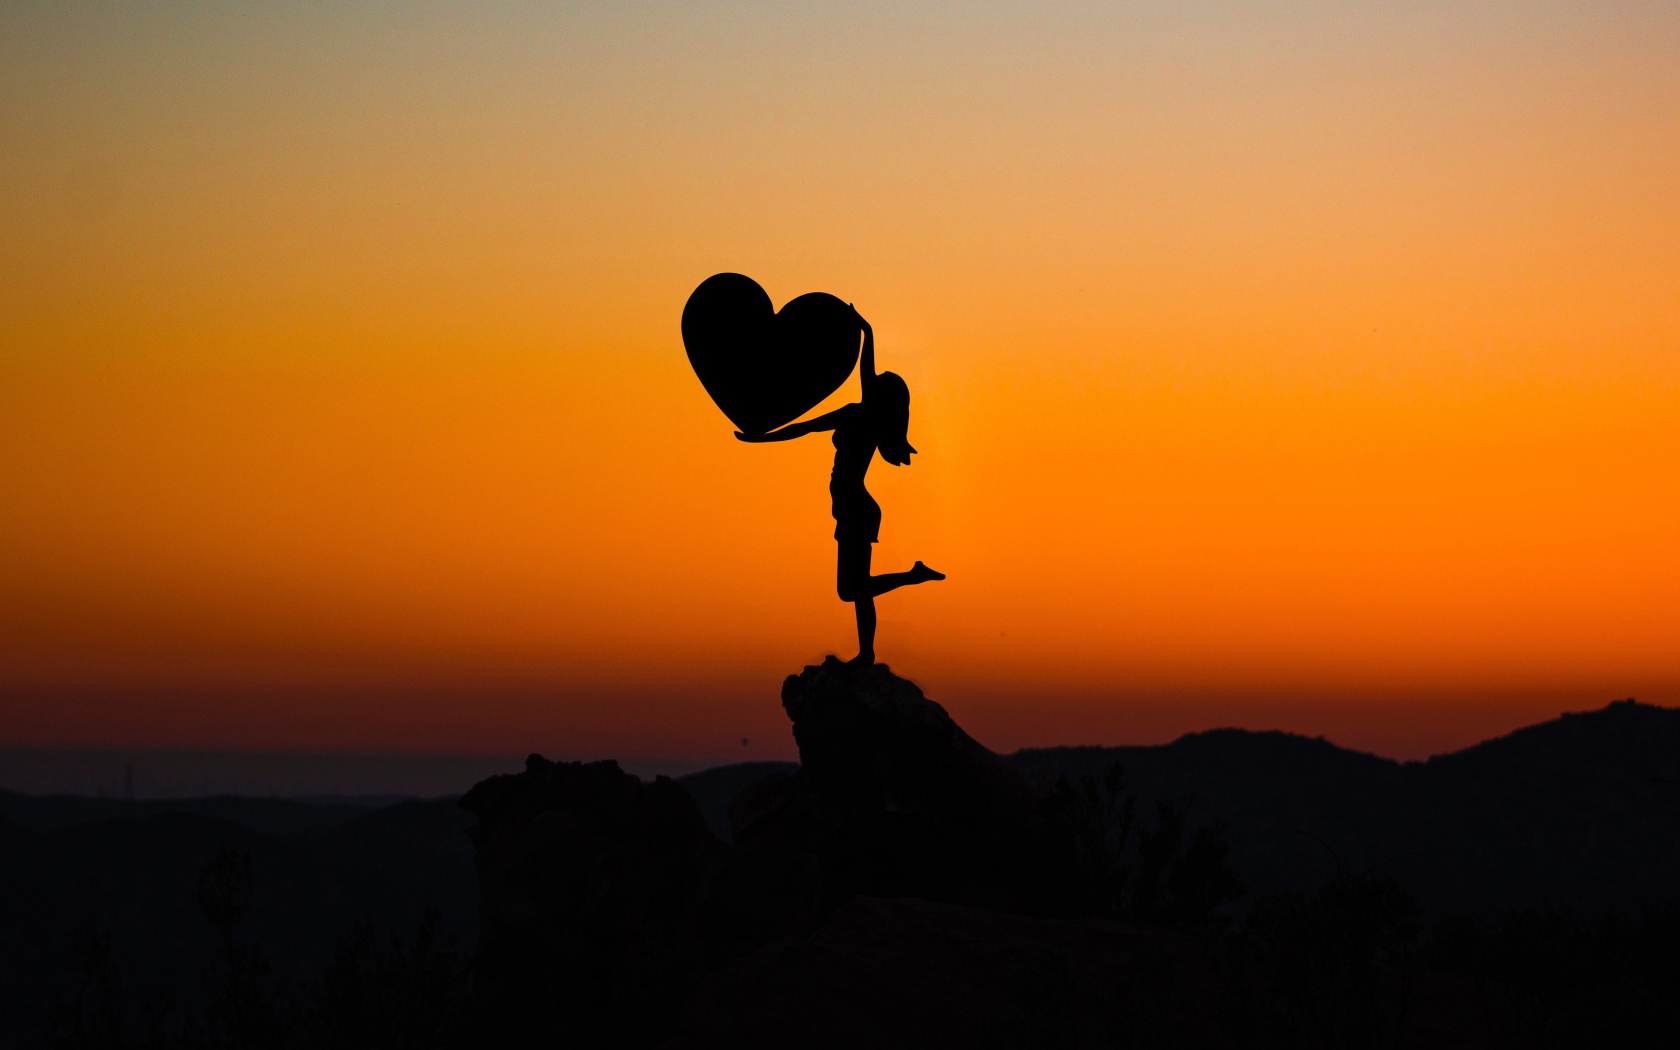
pixel 1293 364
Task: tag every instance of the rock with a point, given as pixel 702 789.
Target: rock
pixel 714 789
pixel 589 882
pixel 604 900
pixel 897 801
pixel 869 734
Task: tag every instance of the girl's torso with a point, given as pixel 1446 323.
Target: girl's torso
pixel 857 517
pixel 854 448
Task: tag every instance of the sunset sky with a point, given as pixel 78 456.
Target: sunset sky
pixel 1302 365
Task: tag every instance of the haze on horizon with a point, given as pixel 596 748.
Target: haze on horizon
pixel 1304 365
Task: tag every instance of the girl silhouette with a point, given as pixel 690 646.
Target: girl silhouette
pixel 877 423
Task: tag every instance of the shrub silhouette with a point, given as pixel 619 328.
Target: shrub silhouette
pixel 403 993
pixel 1331 969
pixel 1545 978
pixel 94 1016
pixel 241 1012
pixel 1147 871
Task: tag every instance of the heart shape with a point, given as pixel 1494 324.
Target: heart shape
pixel 766 368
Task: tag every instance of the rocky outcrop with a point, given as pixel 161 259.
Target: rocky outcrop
pixel 605 900
pixel 895 800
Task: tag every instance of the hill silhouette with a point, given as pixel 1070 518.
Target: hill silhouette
pixel 905 880
pixel 277 817
pixel 905 886
pixel 1582 811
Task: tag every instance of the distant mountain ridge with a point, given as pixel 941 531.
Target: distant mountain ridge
pixel 282 818
pixel 906 886
pixel 1582 811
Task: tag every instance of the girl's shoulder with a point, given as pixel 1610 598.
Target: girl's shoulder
pixel 850 414
pixel 852 428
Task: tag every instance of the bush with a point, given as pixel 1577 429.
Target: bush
pixel 1146 871
pixel 402 994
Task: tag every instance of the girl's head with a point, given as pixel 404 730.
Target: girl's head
pixel 887 400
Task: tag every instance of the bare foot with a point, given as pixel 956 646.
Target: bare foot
pixel 862 660
pixel 924 574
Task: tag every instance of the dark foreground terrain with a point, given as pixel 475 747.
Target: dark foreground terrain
pixel 901 886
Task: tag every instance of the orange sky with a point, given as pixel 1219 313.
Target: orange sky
pixel 1308 365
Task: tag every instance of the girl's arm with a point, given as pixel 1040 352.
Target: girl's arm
pixel 823 422
pixel 866 364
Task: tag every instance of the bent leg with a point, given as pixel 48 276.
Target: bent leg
pixel 892 581
pixel 856 585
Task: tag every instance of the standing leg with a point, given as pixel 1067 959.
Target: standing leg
pixel 852 576
pixel 866 630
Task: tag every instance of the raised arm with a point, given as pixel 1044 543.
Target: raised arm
pixel 827 421
pixel 866 363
